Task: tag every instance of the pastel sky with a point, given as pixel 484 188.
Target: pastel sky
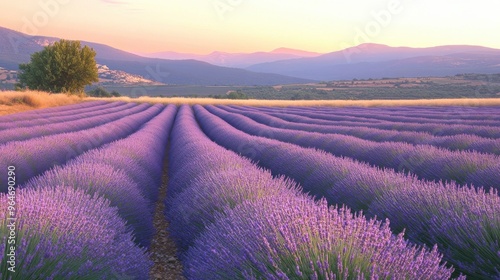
pixel 203 26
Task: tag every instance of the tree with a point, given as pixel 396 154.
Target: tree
pixel 102 92
pixel 61 67
pixel 237 95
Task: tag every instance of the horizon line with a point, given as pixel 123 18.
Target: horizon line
pixel 256 51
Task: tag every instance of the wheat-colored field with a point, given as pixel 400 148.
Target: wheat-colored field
pixel 19 101
pixel 333 103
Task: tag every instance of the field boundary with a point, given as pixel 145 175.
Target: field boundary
pixel 310 103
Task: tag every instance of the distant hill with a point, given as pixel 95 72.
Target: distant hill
pixel 280 66
pixel 238 60
pixel 16 48
pixel 378 61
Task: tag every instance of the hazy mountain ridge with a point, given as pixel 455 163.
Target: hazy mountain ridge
pixel 16 48
pixel 378 61
pixel 288 66
pixel 238 60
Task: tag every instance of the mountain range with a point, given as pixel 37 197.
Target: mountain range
pixel 237 60
pixel 379 61
pixel 16 48
pixel 280 66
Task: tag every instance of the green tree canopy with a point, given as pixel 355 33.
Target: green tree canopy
pixel 102 92
pixel 61 67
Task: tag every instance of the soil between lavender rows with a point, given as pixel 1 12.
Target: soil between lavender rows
pixel 163 249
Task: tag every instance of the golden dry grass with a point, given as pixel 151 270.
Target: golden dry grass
pixel 14 101
pixel 19 101
pixel 333 103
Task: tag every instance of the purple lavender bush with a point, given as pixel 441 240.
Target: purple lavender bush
pixel 464 222
pixel 432 128
pixel 66 116
pixel 357 185
pixel 197 206
pixel 426 161
pixel 63 233
pixel 52 112
pixel 32 157
pixel 293 237
pixel 243 224
pixel 191 152
pixel 453 142
pixel 140 154
pixel 207 179
pixel 106 172
pixel 99 179
pixel 82 122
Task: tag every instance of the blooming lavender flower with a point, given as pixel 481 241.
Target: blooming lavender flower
pixel 64 233
pixel 105 172
pixel 191 152
pixel 358 185
pixel 140 154
pixel 421 160
pixel 464 222
pixel 453 142
pixel 61 126
pixel 32 157
pixel 394 114
pixel 432 128
pixel 99 179
pixel 5 121
pixel 244 224
pixel 292 237
pixel 65 116
pixel 196 207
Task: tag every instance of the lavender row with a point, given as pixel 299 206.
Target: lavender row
pixel 479 116
pixel 94 119
pixel 425 161
pixel 204 178
pixel 453 113
pixel 63 233
pixel 374 115
pixel 460 229
pixel 310 114
pixel 431 113
pixel 439 112
pixel 435 112
pixel 50 112
pixel 37 155
pixel 454 142
pixel 71 116
pixel 83 207
pixel 235 221
pixel 435 129
pixel 127 172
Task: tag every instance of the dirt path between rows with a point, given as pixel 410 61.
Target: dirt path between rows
pixel 163 249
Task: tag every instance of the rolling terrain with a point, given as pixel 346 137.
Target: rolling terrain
pixel 379 61
pixel 16 48
pixel 238 60
pixel 280 66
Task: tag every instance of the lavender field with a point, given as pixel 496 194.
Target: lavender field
pixel 253 192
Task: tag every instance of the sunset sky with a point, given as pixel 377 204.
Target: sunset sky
pixel 203 26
